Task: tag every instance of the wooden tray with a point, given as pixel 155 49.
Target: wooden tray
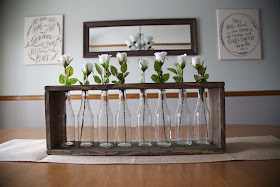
pixel 56 129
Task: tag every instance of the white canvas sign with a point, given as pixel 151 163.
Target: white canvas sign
pixel 43 39
pixel 239 34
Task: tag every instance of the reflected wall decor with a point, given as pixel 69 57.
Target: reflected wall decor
pixel 239 34
pixel 43 39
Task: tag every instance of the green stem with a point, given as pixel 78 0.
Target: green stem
pixel 163 116
pixel 144 97
pixel 83 117
pixel 124 115
pixel 181 112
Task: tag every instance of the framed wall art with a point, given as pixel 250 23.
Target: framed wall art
pixel 239 34
pixel 43 39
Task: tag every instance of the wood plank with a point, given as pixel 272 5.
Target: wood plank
pixel 150 95
pixel 137 151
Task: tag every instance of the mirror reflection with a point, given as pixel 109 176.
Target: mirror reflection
pixel 140 37
pixel 131 38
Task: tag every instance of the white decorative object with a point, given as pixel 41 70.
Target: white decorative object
pixel 239 34
pixel 43 39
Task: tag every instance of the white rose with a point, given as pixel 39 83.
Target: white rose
pixel 181 59
pixel 143 63
pixel 160 56
pixel 195 61
pixel 122 57
pixel 104 58
pixel 87 68
pixel 65 60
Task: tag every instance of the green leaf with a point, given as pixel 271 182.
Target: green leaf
pixel 155 78
pixel 73 81
pixel 80 82
pixel 106 80
pixel 126 74
pixel 172 70
pixel 87 83
pixel 177 79
pixel 180 71
pixel 157 66
pixel 206 76
pixel 96 79
pixel 196 77
pixel 98 69
pixel 69 71
pixel 120 76
pixel 124 67
pixel 84 75
pixel 114 70
pixel 61 79
pixel 115 82
pixel 165 77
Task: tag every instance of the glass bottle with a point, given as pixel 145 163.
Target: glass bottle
pixel 106 135
pixel 123 122
pixel 144 122
pixel 183 121
pixel 162 121
pixel 85 122
pixel 201 120
pixel 70 122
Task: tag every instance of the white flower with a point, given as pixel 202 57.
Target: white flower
pixel 104 58
pixel 195 61
pixel 122 57
pixel 143 63
pixel 65 60
pixel 87 68
pixel 160 56
pixel 181 60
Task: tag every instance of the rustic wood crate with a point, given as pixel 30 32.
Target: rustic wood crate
pixel 56 129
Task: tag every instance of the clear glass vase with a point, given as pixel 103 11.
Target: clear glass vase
pixel 162 121
pixel 183 120
pixel 106 133
pixel 85 122
pixel 201 120
pixel 144 122
pixel 69 138
pixel 123 122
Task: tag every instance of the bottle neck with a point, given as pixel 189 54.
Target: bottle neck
pixel 85 94
pixel 122 95
pixel 182 94
pixel 104 95
pixel 162 95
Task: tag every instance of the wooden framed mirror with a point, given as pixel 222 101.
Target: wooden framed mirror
pixel 140 37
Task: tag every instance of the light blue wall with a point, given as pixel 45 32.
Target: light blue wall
pixel 17 79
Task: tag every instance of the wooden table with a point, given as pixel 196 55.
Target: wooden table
pixel 231 173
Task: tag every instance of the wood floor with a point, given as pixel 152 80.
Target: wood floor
pixel 233 173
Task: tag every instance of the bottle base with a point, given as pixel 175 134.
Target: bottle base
pixel 163 144
pixel 67 144
pixel 184 143
pixel 202 142
pixel 86 144
pixel 145 144
pixel 105 145
pixel 124 144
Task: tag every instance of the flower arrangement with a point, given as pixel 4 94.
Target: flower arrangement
pixel 180 65
pixel 64 79
pixel 104 60
pixel 201 76
pixel 159 61
pixel 122 58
